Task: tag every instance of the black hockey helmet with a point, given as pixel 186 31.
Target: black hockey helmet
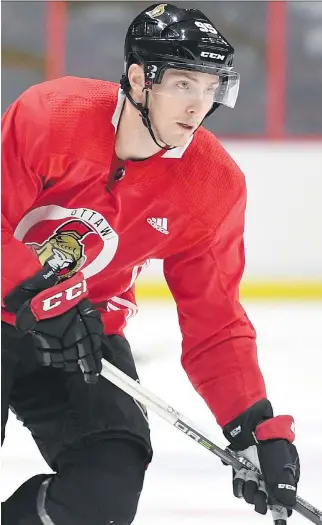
pixel 163 37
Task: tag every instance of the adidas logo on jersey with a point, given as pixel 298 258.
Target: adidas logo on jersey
pixel 159 224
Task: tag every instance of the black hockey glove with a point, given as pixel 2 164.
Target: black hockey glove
pixel 267 442
pixel 65 327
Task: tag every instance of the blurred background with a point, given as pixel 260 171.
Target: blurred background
pixel 278 53
pixel 274 132
pixel 275 135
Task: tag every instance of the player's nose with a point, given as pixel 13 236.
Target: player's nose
pixel 197 106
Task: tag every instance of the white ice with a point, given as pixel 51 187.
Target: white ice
pixel 185 483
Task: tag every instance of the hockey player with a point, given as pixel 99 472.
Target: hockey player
pixel 97 179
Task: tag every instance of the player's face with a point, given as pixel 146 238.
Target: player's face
pixel 180 103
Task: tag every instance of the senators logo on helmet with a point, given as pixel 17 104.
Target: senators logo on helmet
pixel 157 11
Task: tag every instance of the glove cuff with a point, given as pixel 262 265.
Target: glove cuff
pixel 279 427
pixel 59 298
pixel 241 431
pixel 52 302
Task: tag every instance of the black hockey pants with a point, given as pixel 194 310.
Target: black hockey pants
pixel 94 437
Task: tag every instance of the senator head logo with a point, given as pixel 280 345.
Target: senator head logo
pixel 157 11
pixel 64 250
pixel 59 236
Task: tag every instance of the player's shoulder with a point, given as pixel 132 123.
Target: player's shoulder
pixel 75 112
pixel 211 180
pixel 91 89
pixel 70 94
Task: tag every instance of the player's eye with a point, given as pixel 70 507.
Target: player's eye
pixel 183 84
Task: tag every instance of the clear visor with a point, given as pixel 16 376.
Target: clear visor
pixel 221 86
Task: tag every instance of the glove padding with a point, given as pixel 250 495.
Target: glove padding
pixel 64 325
pixel 69 340
pixel 274 455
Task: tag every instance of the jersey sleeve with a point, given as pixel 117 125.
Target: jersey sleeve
pixel 24 161
pixel 117 310
pixel 219 351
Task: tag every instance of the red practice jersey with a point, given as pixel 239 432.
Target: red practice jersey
pixel 64 200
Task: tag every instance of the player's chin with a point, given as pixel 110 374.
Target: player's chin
pixel 178 141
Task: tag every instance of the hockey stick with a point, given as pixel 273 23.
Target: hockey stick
pixel 147 398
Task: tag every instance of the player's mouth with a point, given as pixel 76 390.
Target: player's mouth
pixel 185 126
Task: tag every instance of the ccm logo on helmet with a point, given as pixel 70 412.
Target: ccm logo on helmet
pixel 67 295
pixel 207 54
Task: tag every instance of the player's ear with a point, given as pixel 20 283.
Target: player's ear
pixel 136 79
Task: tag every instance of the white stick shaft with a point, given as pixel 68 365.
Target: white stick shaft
pixel 150 400
pixel 165 411
pixel 137 391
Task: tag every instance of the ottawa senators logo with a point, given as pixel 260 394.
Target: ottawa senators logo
pixel 64 251
pixel 157 11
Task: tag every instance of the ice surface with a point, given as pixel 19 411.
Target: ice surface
pixel 185 483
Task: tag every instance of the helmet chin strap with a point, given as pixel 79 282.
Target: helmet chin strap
pixel 144 112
